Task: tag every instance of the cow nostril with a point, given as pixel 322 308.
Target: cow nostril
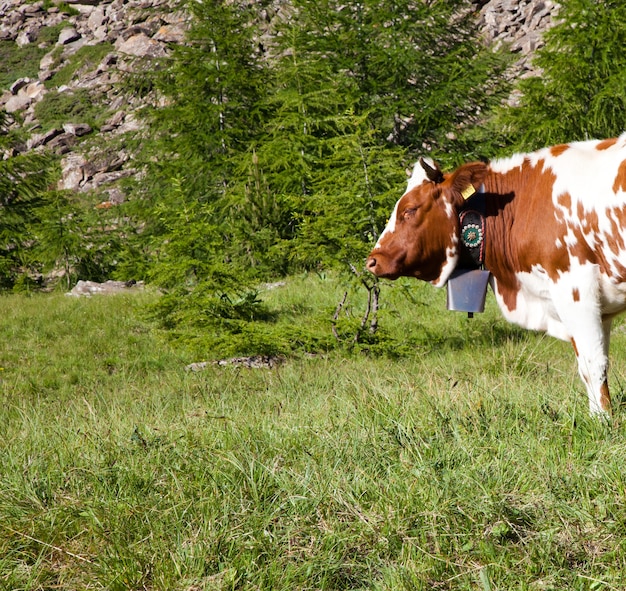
pixel 371 263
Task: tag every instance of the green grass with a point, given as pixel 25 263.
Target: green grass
pixel 23 62
pixel 467 464
pixel 57 108
pixel 86 58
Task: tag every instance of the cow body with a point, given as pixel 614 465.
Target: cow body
pixel 555 241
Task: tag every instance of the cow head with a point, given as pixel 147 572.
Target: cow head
pixel 422 234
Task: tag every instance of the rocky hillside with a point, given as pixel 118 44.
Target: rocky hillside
pixel 74 55
pixel 65 63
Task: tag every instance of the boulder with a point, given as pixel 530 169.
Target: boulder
pixel 77 129
pixel 25 96
pixel 140 45
pixel 170 34
pixel 68 35
pixel 72 172
pixel 90 288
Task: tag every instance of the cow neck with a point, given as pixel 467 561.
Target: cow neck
pixel 472 232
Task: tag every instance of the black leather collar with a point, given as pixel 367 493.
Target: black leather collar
pixel 473 232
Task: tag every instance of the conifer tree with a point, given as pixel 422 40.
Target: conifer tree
pixel 23 182
pixel 277 152
pixel 208 95
pixel 580 92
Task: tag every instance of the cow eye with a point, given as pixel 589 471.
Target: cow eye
pixel 409 212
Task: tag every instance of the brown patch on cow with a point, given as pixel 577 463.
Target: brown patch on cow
pixel 615 240
pixel 525 231
pixel 619 273
pixel 620 178
pixel 558 150
pixel 575 347
pixel 581 250
pixel 576 294
pixel 606 144
pixel 605 397
pixel 588 220
pixel 565 201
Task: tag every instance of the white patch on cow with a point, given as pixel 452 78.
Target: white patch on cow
pixel 612 296
pixel 570 239
pixel 419 175
pixel 504 165
pixel 452 258
pixel 587 174
pixel 578 294
pixel 390 228
pixel 577 307
pixel 535 309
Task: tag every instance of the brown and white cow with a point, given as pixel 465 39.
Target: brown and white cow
pixel 554 241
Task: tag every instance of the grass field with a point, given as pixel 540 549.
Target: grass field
pixel 469 463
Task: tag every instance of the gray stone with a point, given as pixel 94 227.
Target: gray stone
pixel 170 34
pixel 26 36
pixel 18 85
pixel 72 171
pixel 140 45
pixel 62 144
pixel 77 129
pixel 40 139
pixel 47 61
pixel 17 103
pixel 90 288
pixel 68 35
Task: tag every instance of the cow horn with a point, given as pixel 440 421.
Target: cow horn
pixel 432 171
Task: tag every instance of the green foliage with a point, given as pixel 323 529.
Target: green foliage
pixel 23 182
pixel 268 159
pixel 64 7
pixel 580 92
pixel 76 239
pixel 85 59
pixel 18 62
pixel 23 62
pixel 419 71
pixel 78 106
pixel 43 230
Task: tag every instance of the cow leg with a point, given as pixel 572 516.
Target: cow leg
pixel 593 365
pixel 579 311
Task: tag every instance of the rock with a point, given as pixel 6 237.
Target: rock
pixel 72 172
pixel 47 61
pixel 68 35
pixel 41 139
pixel 18 85
pixel 77 129
pixel 26 36
pixel 27 94
pixel 89 288
pixel 140 45
pixel 170 34
pixel 62 143
pixel 86 2
pixel 253 362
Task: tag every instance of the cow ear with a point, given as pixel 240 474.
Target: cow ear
pixel 466 180
pixel 433 172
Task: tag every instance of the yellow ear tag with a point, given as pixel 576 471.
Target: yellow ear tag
pixel 468 191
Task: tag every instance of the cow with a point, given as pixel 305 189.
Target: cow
pixel 550 227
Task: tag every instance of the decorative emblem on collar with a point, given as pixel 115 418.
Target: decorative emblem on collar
pixel 472 224
pixel 472 235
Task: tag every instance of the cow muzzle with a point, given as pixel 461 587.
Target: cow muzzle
pixel 375 264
